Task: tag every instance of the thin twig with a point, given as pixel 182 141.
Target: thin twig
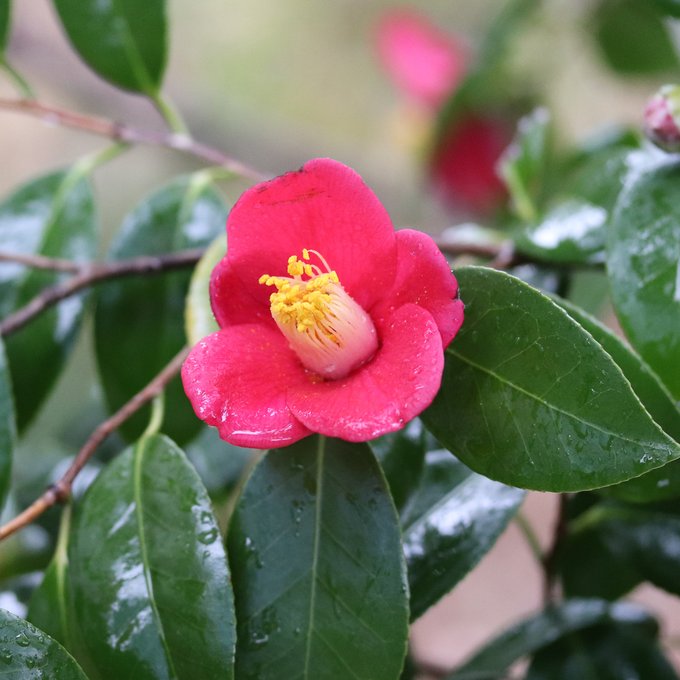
pixel 40 262
pixel 60 491
pixel 90 274
pixel 550 559
pixel 501 256
pixel 124 133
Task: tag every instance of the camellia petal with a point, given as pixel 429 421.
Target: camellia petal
pixel 386 393
pixel 324 206
pixel 237 380
pixel 232 302
pixel 424 278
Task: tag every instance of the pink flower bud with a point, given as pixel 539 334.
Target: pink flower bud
pixel 662 118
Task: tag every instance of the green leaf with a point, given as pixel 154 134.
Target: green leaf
pixel 536 632
pixel 524 164
pixel 320 585
pixel 5 16
pixel 663 482
pixel 123 41
pixel 632 37
pixel 402 457
pixel 198 317
pixel 643 262
pixel 449 523
pixel 7 428
pixel 571 232
pixel 632 543
pixel 670 7
pixel 27 653
pixel 530 399
pixel 139 321
pixel 607 652
pixel 51 216
pixel 50 605
pixel 148 570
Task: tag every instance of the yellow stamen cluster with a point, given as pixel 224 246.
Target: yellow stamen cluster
pixel 304 304
pixel 325 327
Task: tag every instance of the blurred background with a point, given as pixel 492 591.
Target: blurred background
pixel 274 84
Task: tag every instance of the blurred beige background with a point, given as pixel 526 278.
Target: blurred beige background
pixel 274 84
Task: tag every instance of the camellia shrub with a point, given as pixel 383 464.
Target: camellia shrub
pixel 318 421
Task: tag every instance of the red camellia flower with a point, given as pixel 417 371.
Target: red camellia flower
pixel 330 321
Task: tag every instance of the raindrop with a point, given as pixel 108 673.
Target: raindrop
pixel 22 640
pixel 30 663
pixel 259 638
pixel 6 656
pixel 208 537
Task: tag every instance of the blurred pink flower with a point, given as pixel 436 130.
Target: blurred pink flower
pixel 350 342
pixel 427 65
pixel 662 118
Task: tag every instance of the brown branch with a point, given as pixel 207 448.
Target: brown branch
pixel 121 132
pixel 60 491
pixel 41 262
pixel 88 275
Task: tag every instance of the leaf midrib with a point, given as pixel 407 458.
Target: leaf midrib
pixel 670 446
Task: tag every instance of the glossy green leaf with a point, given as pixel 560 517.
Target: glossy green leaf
pixel 320 586
pixel 51 216
pixel 536 632
pixel 572 232
pixel 50 605
pixel 633 543
pixel 643 261
pixel 663 482
pixel 139 322
pixel 449 524
pixel 4 25
pixel 7 433
pixel 149 573
pixel 632 37
pixel 26 653
pixel 402 457
pixel 531 399
pixel 220 465
pixel 198 317
pixel 123 41
pixel 524 165
pixel 606 652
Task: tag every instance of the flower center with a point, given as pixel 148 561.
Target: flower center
pixel 330 333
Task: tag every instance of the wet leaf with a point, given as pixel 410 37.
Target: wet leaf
pixel 139 322
pixel 51 216
pixel 449 523
pixel 320 586
pixel 643 261
pixel 663 482
pixel 122 41
pixel 530 399
pixel 539 631
pixel 149 573
pixel 26 653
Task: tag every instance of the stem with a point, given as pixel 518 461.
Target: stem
pixel 157 413
pixel 120 132
pixel 21 84
pixel 530 536
pixel 550 558
pixel 90 274
pixel 170 114
pixel 40 262
pixel 60 491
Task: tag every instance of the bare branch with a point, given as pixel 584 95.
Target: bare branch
pixel 121 132
pixel 87 275
pixel 61 490
pixel 40 262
